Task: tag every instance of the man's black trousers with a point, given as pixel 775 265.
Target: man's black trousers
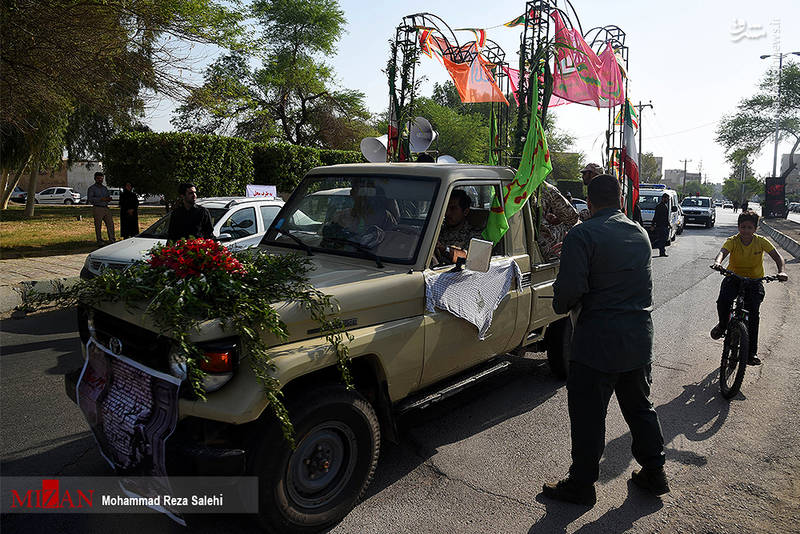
pixel 589 392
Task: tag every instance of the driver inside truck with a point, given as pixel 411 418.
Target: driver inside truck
pixel 370 209
pixel 456 231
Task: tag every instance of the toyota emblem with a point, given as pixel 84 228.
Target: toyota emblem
pixel 115 344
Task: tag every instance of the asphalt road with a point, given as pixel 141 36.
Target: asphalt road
pixel 476 463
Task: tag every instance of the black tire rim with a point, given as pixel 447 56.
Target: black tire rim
pixel 322 465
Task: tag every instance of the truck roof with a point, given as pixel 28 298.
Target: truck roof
pixel 444 171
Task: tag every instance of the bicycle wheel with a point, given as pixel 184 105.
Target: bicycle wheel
pixel 734 359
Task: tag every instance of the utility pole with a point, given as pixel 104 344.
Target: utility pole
pixel 639 107
pixel 683 191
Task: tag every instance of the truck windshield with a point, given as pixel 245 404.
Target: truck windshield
pixel 360 216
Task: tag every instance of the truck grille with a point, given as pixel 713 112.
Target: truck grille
pixel 139 344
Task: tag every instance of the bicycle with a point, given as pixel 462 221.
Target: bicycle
pixel 737 342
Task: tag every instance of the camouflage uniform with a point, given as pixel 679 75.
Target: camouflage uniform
pixel 551 234
pixel 458 236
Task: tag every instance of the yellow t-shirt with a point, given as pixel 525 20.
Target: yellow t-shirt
pixel 747 260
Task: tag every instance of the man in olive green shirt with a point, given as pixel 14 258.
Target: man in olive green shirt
pixel 605 275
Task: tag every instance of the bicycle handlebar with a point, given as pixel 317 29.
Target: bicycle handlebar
pixel 726 272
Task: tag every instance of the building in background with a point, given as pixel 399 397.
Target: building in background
pixel 674 178
pixel 793 179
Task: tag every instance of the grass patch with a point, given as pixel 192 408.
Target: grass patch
pixel 56 229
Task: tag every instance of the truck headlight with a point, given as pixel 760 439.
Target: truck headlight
pixel 219 361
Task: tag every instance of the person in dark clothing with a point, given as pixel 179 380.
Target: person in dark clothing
pixel 661 225
pixel 188 219
pixel 735 206
pixel 637 215
pixel 128 212
pixel 605 277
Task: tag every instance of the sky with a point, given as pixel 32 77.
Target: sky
pixel 693 60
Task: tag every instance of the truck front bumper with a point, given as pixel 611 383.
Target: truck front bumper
pixel 185 455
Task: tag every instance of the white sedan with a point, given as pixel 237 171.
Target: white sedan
pixel 57 195
pixel 239 222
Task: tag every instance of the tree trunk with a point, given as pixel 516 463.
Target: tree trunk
pixel 34 179
pixel 9 182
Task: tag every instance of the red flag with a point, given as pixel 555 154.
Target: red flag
pixel 474 81
pixel 630 161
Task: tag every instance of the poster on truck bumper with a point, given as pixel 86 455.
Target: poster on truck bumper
pixel 132 410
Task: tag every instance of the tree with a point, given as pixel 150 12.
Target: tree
pixel 463 136
pixel 649 172
pixel 752 126
pixel 291 96
pixel 695 189
pixel 566 166
pixel 732 188
pixel 76 70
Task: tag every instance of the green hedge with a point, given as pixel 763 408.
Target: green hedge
pixel 284 165
pixel 155 163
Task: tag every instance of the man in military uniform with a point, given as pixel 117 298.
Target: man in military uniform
pixel 456 230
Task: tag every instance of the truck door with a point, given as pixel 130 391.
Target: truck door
pixel 451 343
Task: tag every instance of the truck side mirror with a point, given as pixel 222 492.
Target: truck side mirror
pixel 674 208
pixel 479 255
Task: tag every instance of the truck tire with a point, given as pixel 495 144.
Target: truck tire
pixel 314 486
pixel 559 343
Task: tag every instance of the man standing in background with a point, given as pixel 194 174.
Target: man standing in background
pixel 99 196
pixel 128 212
pixel 661 225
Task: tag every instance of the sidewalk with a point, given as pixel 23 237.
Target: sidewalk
pixel 16 274
pixel 784 232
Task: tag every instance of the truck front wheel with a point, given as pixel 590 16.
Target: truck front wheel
pixel 559 341
pixel 315 485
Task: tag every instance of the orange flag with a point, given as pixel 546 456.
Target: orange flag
pixel 474 81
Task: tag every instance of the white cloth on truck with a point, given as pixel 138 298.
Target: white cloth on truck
pixel 471 295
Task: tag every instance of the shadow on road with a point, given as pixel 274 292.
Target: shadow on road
pixel 696 414
pixel 558 515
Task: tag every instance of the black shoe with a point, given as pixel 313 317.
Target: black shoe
pixel 753 360
pixel 717 332
pixel 570 491
pixel 653 479
pixel 663 255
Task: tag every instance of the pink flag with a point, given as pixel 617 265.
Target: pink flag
pixel 580 75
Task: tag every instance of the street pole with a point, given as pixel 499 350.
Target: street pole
pixel 778 107
pixel 683 190
pixel 639 107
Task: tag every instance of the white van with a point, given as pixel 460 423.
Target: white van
pixel 649 197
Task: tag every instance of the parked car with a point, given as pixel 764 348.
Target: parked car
pixel 794 207
pixel 18 196
pixel 727 205
pixel 579 204
pixel 681 222
pixel 239 222
pixel 699 210
pixel 57 195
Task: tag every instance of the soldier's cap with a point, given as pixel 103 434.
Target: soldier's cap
pixel 592 167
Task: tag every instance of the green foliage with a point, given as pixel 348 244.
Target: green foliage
pixel 752 125
pixel 155 163
pixel 284 165
pixel 566 166
pixel 649 173
pixel 732 189
pixel 573 187
pixel 240 292
pixel 291 96
pixel 463 136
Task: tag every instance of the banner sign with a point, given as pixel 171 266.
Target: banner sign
pixel 775 201
pixel 132 410
pixel 264 191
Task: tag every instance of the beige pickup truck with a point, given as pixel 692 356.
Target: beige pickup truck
pixel 371 231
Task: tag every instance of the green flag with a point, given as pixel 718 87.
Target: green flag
pixel 534 167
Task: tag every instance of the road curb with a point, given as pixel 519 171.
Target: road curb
pixel 789 244
pixel 11 295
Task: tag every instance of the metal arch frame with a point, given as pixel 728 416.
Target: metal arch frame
pixel 406 49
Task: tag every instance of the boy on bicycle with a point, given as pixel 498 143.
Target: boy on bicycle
pixel 747 259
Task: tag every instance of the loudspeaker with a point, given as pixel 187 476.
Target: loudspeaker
pixel 447 158
pixel 374 148
pixel 422 135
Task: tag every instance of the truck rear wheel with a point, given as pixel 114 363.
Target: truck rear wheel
pixel 559 342
pixel 315 485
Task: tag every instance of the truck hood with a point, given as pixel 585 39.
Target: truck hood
pixel 365 294
pixel 127 250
